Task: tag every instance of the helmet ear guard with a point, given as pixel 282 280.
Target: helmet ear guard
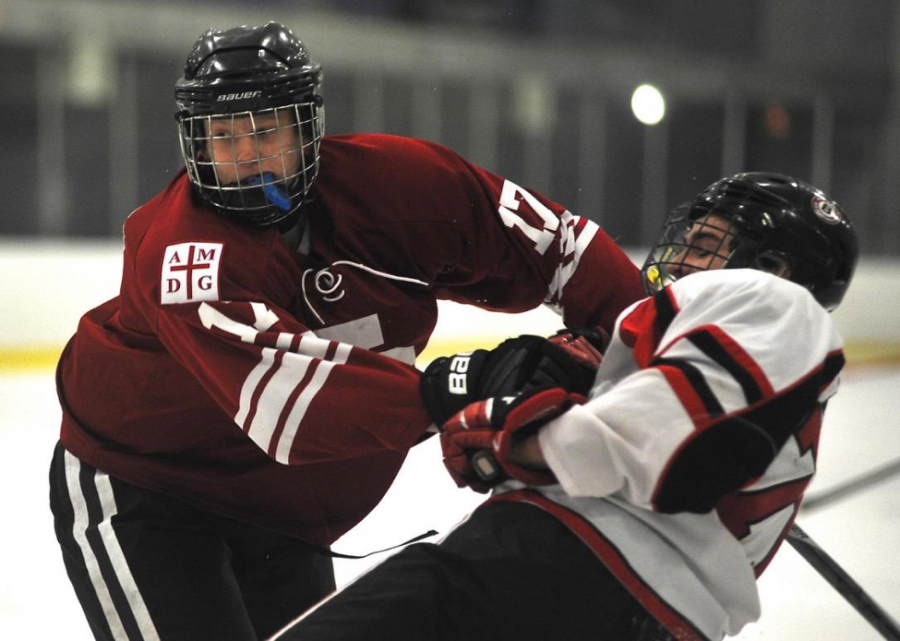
pixel 773 262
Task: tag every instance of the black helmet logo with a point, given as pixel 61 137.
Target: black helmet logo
pixel 826 210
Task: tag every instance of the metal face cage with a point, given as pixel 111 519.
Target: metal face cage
pixel 687 244
pixel 255 165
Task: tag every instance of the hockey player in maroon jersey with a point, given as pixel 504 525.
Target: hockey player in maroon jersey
pixel 250 394
pixel 646 511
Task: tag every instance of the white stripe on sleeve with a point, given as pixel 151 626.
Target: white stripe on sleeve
pixel 570 245
pixel 275 396
pixel 251 383
pixel 306 397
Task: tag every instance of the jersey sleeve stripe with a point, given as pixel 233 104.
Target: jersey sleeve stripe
pixel 277 392
pixel 577 234
pixel 721 349
pixel 585 230
pixel 313 346
pixel 784 414
pixel 689 385
pixel 248 389
pixel 272 401
pixel 301 406
pixel 285 415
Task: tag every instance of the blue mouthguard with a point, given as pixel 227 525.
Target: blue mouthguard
pixel 274 194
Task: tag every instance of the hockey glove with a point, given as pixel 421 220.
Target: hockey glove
pixel 585 345
pixel 450 383
pixel 476 442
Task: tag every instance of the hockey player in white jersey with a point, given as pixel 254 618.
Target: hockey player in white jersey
pixel 647 511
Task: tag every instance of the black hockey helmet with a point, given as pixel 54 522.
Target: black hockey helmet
pixel 248 82
pixel 763 221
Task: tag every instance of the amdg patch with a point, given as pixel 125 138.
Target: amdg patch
pixel 190 273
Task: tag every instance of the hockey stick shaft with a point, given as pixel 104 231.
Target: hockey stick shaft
pixel 883 473
pixel 843 583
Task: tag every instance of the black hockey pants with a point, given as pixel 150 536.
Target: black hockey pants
pixel 509 572
pixel 146 566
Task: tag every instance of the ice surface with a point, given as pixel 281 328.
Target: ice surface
pixel 860 532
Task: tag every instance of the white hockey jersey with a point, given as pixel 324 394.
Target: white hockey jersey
pixel 685 469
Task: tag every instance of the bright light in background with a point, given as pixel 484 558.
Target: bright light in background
pixel 648 104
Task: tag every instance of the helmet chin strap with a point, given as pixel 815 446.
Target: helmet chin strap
pixel 274 193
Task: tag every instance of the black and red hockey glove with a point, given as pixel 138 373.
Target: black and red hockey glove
pixel 476 441
pixel 450 383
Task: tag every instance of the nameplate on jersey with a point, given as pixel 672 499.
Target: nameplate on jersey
pixel 190 273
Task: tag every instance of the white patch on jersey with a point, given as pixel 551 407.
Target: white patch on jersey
pixel 363 332
pixel 403 354
pixel 190 273
pixel 366 332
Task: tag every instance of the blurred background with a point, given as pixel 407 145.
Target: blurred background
pixel 537 90
pixel 618 109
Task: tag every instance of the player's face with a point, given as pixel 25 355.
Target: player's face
pixel 244 146
pixel 708 244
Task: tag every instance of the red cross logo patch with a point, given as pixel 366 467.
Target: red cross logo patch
pixel 190 272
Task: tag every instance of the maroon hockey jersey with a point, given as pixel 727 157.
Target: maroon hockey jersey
pixel 275 384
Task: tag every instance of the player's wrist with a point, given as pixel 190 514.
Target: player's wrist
pixel 527 453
